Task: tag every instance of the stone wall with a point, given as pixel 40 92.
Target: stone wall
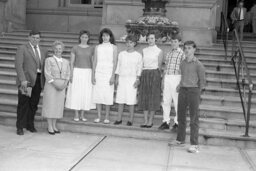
pixel 53 15
pixel 197 18
pixel 12 15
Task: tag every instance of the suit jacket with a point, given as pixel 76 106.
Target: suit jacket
pixel 235 14
pixel 26 64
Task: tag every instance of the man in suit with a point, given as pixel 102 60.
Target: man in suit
pixel 238 18
pixel 29 64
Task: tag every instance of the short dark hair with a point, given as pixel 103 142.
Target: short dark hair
pixel 83 32
pixel 190 43
pixel 176 37
pixel 110 33
pixel 34 32
pixel 132 38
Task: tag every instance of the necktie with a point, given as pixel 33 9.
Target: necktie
pixel 38 58
pixel 240 14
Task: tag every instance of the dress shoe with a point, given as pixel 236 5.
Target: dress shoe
pixel 57 132
pixel 164 126
pixel 51 133
pixel 129 123
pixel 33 130
pixel 20 132
pixel 149 126
pixel 143 126
pixel 117 122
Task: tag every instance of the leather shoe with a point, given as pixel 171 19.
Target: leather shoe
pixel 51 133
pixel 57 132
pixel 33 130
pixel 20 132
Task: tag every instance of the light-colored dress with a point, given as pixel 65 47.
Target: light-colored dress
pixel 129 67
pixel 79 94
pixel 103 92
pixel 53 100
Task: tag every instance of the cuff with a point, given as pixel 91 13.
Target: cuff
pixel 51 81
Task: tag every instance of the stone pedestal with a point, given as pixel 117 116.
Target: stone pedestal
pixel 196 18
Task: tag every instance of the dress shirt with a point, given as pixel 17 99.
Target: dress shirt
pixel 241 17
pixel 172 61
pixel 38 50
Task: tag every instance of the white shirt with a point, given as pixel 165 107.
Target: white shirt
pixel 241 17
pixel 150 57
pixel 38 50
pixel 129 64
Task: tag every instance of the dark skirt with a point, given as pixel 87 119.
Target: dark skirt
pixel 150 90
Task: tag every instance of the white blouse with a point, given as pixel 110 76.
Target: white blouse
pixel 150 57
pixel 129 64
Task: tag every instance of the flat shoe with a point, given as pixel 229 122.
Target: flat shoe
pixel 143 126
pixel 56 132
pixel 117 122
pixel 84 119
pixel 149 126
pixel 76 119
pixel 51 133
pixel 106 121
pixel 97 120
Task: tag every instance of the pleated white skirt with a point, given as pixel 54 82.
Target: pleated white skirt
pixel 79 94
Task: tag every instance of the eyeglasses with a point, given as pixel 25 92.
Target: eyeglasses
pixel 36 38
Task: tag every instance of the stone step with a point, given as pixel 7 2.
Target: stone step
pixel 206 136
pixel 225 67
pixel 225 74
pixel 218 91
pixel 8 102
pixel 224 101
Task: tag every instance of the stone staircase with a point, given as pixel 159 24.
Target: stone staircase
pixel 221 121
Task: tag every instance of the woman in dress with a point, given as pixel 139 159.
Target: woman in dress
pixel 57 74
pixel 79 94
pixel 104 66
pixel 150 85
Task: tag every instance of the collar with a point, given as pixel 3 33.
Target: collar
pixel 194 59
pixel 178 49
pixel 33 46
pixel 58 59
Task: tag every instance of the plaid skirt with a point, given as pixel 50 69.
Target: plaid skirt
pixel 150 90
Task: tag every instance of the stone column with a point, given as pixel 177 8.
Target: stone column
pixel 15 14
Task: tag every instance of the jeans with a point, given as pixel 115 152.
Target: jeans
pixel 188 98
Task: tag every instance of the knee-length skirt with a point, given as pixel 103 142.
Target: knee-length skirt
pixel 103 92
pixel 126 92
pixel 53 102
pixel 150 90
pixel 79 93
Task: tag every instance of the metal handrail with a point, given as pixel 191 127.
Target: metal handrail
pixel 239 66
pixel 224 33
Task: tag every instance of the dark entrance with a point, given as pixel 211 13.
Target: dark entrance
pixel 247 3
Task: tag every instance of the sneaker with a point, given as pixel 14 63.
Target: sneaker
pixel 164 126
pixel 129 123
pixel 176 143
pixel 106 121
pixel 117 122
pixel 193 149
pixel 97 120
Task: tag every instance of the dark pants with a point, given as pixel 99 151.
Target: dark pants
pixel 239 26
pixel 27 106
pixel 188 98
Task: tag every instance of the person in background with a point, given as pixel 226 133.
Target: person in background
pixel 57 74
pixel 104 66
pixel 171 80
pixel 79 94
pixel 150 83
pixel 238 18
pixel 190 87
pixel 253 17
pixel 29 64
pixel 128 72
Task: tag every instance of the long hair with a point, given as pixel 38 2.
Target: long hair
pixel 84 32
pixel 110 33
